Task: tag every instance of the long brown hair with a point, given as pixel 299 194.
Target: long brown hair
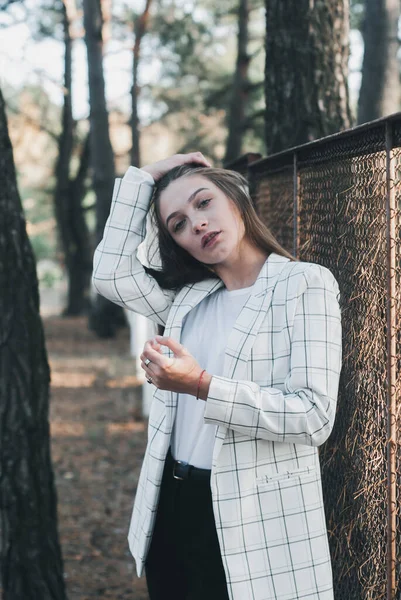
pixel 178 267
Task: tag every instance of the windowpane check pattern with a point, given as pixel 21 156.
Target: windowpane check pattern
pixel 274 406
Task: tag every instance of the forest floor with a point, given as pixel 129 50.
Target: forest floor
pixel 98 442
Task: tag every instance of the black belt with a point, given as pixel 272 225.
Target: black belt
pixel 182 470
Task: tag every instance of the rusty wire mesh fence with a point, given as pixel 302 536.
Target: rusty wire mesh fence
pixel 337 202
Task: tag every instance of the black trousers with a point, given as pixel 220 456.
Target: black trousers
pixel 184 560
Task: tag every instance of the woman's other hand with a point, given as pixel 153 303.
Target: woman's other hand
pixel 160 168
pixel 177 374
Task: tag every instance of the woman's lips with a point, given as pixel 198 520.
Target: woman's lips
pixel 212 240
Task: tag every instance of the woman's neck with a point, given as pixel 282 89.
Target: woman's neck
pixel 242 270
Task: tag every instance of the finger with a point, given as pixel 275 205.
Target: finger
pixel 144 355
pixel 156 358
pixel 155 345
pixel 150 346
pixel 197 157
pixel 147 362
pixel 152 370
pixel 149 372
pixel 144 358
pixel 152 343
pixel 177 348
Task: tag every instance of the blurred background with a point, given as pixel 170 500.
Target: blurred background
pixel 174 81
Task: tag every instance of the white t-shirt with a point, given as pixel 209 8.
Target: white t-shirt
pixel 205 333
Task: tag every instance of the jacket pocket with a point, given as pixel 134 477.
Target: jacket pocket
pixel 271 478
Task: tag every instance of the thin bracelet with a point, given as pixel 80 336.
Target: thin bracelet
pixel 199 383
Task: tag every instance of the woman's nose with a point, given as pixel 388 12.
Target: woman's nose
pixel 199 225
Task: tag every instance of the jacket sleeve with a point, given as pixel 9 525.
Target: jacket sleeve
pixel 304 412
pixel 118 273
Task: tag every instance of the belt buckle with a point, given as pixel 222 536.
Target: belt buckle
pixel 184 464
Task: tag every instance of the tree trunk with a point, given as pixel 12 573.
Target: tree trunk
pixel 239 97
pixel 380 88
pixel 102 158
pixel 74 235
pixel 80 255
pixel 140 30
pixel 65 144
pixel 31 562
pixel 307 48
pixel 105 316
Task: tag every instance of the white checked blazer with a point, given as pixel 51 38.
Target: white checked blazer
pixel 274 406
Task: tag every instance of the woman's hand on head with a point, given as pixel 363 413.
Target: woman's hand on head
pixel 176 374
pixel 160 168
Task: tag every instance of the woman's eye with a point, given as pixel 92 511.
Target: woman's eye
pixel 178 226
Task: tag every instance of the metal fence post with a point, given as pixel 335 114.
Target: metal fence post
pixel 296 208
pixel 391 367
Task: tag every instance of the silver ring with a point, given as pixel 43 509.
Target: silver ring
pixel 147 362
pixel 149 379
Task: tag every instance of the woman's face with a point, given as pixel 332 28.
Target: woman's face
pixel 201 219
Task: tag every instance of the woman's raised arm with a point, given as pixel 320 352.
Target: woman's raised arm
pixel 117 272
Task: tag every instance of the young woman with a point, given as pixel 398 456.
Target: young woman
pixel 229 501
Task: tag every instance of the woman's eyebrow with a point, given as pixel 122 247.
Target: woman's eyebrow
pixel 192 196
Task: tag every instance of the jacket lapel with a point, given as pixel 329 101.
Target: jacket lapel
pixel 246 328
pixel 187 298
pixel 249 320
pixel 243 334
